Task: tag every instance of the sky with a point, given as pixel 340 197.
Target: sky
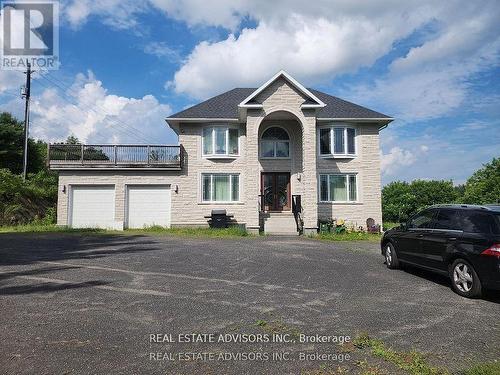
pixel 127 64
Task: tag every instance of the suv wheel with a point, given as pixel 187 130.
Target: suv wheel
pixel 391 258
pixel 464 279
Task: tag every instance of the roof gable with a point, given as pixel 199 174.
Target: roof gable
pixel 311 100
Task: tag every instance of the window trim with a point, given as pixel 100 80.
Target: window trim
pixel 346 175
pixel 289 141
pixel 332 154
pixel 212 174
pixel 213 155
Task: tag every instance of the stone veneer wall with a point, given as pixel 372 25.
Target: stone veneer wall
pixel 187 208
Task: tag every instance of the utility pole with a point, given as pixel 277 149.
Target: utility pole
pixel 26 96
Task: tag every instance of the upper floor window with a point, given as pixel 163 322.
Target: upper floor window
pixel 337 141
pixel 220 141
pixel 275 143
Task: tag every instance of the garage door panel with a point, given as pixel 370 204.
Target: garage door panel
pixel 92 206
pixel 148 206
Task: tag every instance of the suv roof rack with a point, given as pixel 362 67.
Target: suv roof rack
pixel 488 207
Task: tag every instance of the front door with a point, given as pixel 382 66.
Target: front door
pixel 275 190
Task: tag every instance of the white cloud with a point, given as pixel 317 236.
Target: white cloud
pixel 322 40
pixel 90 113
pixel 317 41
pixel 433 79
pixel 475 125
pixel 309 48
pixel 120 14
pixel 225 13
pixel 396 159
pixel 162 50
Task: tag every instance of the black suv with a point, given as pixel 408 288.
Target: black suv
pixel 460 241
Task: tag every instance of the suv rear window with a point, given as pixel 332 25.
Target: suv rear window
pixel 479 222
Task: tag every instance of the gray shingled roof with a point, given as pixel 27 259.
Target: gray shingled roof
pixel 225 105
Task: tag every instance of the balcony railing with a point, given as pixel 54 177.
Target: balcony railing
pixel 69 156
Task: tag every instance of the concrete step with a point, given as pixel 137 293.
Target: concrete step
pixel 280 223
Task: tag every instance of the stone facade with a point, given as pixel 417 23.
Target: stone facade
pixel 281 106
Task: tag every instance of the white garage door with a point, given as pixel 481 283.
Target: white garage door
pixel 92 206
pixel 148 205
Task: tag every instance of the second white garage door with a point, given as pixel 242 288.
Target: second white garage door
pixel 148 205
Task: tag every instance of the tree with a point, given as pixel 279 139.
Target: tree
pixel 397 201
pixel 12 147
pixel 483 186
pixel 402 199
pixel 72 140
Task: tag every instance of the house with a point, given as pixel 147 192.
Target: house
pixel 280 158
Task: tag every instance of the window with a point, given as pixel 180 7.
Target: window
pixel 220 187
pixel 338 188
pixel 422 220
pixel 337 141
pixel 479 222
pixel 447 218
pixel 275 143
pixel 220 141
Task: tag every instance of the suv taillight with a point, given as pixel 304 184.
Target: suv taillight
pixel 492 251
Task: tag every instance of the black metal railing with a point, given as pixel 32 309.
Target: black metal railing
pixel 261 203
pixel 297 212
pixel 124 156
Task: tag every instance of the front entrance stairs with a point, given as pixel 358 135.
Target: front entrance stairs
pixel 279 223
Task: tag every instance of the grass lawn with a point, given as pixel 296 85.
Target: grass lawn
pixel 192 232
pixel 155 230
pixel 187 232
pixel 349 236
pixel 37 228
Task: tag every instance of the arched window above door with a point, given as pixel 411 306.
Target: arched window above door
pixel 275 143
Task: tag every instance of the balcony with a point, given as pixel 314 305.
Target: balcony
pixel 69 156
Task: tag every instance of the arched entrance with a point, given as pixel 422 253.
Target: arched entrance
pixel 280 155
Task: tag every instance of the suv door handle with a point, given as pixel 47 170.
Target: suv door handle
pixel 420 235
pixel 452 239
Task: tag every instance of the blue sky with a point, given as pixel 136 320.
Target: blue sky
pixel 126 65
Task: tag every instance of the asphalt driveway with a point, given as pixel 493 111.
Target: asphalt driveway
pixel 73 303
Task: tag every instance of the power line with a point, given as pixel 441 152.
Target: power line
pixel 9 94
pixel 135 134
pixel 59 83
pixel 118 127
pixel 69 118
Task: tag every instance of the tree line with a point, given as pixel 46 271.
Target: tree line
pixel 33 200
pixel 401 199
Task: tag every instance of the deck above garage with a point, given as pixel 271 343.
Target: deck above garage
pixel 80 156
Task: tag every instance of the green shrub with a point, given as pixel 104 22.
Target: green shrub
pixel 33 200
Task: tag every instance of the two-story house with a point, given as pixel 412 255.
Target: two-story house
pixel 279 158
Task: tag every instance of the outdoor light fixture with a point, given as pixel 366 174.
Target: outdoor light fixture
pixel 176 189
pixel 64 189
